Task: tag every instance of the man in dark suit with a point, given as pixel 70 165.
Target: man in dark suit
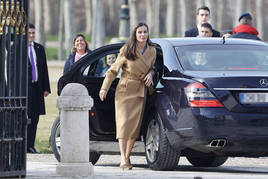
pixel 202 16
pixel 38 87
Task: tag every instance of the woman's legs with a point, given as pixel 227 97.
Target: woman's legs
pixel 130 144
pixel 123 148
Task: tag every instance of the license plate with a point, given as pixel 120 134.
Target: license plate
pixel 253 98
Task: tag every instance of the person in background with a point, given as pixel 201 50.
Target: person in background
pixel 136 59
pixel 202 16
pixel 38 88
pixel 80 49
pixel 226 33
pixel 245 30
pixel 206 30
pixel 109 60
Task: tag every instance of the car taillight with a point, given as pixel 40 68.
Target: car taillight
pixel 199 96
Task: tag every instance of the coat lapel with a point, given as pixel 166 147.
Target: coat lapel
pixel 36 48
pixel 144 58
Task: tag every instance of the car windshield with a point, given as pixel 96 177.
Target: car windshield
pixel 223 57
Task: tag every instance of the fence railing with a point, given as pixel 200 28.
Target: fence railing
pixel 13 87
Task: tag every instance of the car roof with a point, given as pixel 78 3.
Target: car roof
pixel 208 41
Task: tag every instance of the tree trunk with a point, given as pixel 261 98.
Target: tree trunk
pixel 133 14
pixel 98 31
pixel 199 3
pixel 212 4
pixel 51 11
pixel 69 23
pixel 61 31
pixel 40 35
pixel 112 19
pixel 171 12
pixel 155 30
pixel 260 14
pixel 221 8
pixel 186 16
pixel 149 13
pixel 240 7
pixel 88 6
pixel 228 17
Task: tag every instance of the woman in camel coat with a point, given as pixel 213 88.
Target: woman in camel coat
pixel 136 59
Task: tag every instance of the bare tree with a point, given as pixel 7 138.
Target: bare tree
pixel 88 6
pixel 212 4
pixel 156 18
pixel 240 7
pixel 61 31
pixel 112 18
pixel 200 3
pixel 98 31
pixel 260 14
pixel 149 13
pixel 133 14
pixel 228 18
pixel 186 16
pixel 51 11
pixel 69 24
pixel 171 12
pixel 220 14
pixel 39 22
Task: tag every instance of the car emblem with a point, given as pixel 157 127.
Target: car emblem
pixel 263 82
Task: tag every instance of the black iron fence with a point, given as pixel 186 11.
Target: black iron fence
pixel 13 87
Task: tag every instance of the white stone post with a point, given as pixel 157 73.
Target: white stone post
pixel 74 104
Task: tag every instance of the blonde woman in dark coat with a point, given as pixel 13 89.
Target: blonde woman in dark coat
pixel 136 59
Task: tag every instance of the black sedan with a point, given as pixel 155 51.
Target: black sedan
pixel 210 102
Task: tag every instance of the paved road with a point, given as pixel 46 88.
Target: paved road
pixel 44 167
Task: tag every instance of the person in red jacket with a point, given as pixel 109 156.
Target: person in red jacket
pixel 245 29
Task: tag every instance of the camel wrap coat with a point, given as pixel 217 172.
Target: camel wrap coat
pixel 131 91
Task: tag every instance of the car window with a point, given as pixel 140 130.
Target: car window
pixel 101 66
pixel 94 69
pixel 223 57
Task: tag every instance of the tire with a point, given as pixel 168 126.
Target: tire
pixel 207 161
pixel 55 143
pixel 159 153
pixel 55 138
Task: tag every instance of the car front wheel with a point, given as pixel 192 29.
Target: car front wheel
pixel 55 143
pixel 159 153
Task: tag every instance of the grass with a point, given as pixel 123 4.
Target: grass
pixel 50 37
pixel 52 53
pixel 46 121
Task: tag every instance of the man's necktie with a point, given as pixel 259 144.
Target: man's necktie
pixel 33 65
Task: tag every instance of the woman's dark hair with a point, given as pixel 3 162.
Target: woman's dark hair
pixel 131 45
pixel 84 38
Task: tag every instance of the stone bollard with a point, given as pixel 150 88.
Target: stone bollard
pixel 74 103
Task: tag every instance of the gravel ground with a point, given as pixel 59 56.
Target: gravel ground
pixel 55 70
pixel 113 160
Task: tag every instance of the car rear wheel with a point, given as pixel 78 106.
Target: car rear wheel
pixel 207 161
pixel 159 153
pixel 55 143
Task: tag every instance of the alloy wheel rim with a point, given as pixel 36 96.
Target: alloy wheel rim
pixel 57 139
pixel 152 140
